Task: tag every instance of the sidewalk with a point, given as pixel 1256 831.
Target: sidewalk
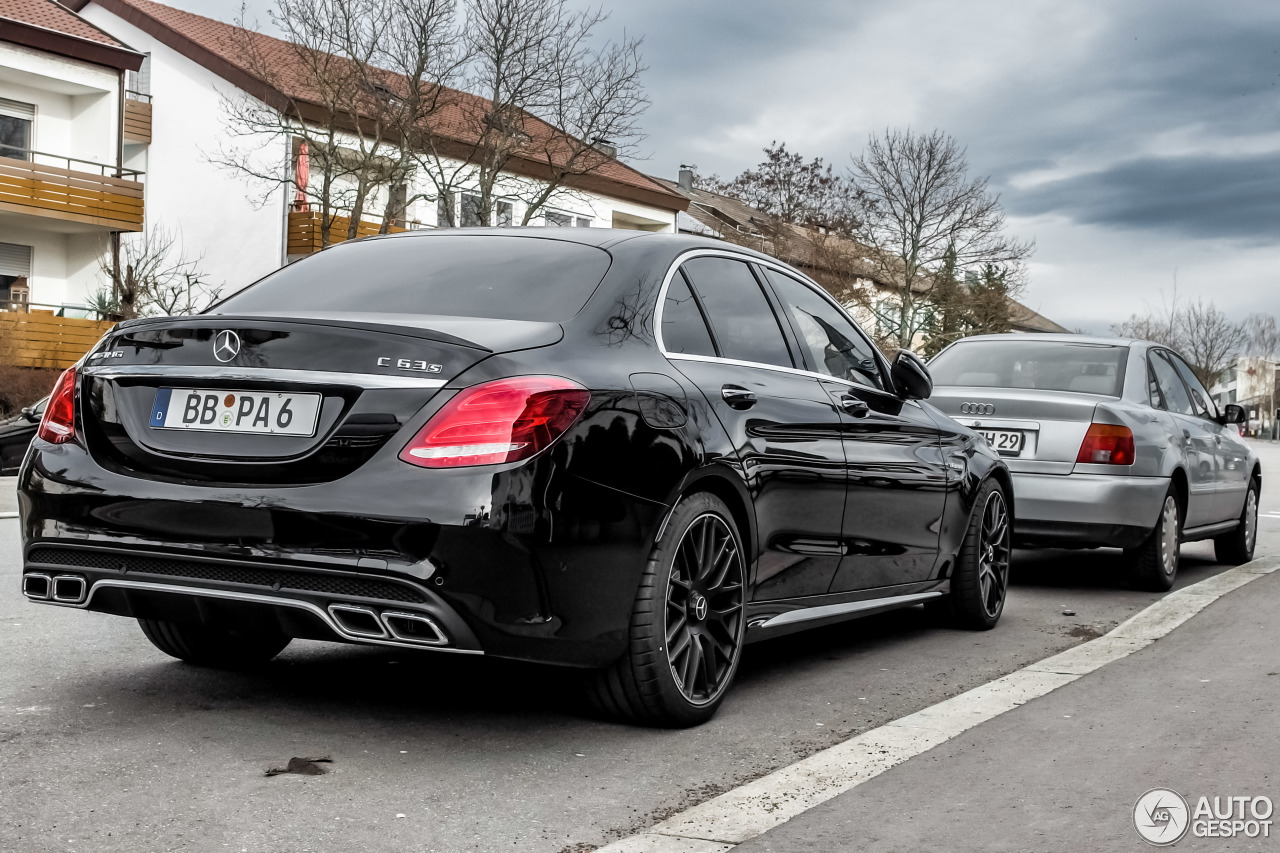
pixel 1195 712
pixel 8 496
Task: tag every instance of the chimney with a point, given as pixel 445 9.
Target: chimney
pixel 686 180
pixel 605 147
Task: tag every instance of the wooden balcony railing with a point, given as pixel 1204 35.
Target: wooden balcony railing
pixel 40 339
pixel 305 230
pixel 55 187
pixel 137 117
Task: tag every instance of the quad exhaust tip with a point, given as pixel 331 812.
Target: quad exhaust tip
pixel 69 589
pixel 358 621
pixel 37 586
pixel 414 628
pixel 367 623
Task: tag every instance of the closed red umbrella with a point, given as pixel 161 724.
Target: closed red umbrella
pixel 301 178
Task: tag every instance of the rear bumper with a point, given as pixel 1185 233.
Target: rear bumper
pixel 1086 510
pixel 529 563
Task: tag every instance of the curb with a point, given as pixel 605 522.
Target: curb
pixel 755 808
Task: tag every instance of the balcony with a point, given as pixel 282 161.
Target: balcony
pixel 137 117
pixel 70 194
pixel 31 337
pixel 305 230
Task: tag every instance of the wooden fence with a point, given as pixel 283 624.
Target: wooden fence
pixel 38 189
pixel 40 339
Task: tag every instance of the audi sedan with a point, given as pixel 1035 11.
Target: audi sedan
pixel 628 453
pixel 1111 443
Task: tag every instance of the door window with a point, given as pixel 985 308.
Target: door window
pixel 16 119
pixel 1200 398
pixel 832 344
pixel 683 328
pixel 1173 393
pixel 740 315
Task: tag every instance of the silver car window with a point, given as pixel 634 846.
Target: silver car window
pixel 1200 398
pixel 1176 398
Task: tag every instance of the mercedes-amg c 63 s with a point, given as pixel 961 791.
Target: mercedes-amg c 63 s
pixel 630 453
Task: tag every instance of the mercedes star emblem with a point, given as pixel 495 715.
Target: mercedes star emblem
pixel 226 345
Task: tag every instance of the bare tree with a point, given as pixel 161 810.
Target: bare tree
pixel 787 187
pixel 151 274
pixel 531 58
pixel 1264 343
pixel 914 206
pixel 1208 339
pixel 328 92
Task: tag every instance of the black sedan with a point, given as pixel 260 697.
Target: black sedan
pixel 629 453
pixel 16 433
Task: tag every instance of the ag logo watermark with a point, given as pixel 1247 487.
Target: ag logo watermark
pixel 1163 817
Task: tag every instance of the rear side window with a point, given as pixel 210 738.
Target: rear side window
pixel 1044 365
pixel 683 328
pixel 1200 398
pixel 455 275
pixel 743 321
pixel 1172 392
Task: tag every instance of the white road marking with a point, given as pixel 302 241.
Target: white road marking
pixel 8 515
pixel 757 807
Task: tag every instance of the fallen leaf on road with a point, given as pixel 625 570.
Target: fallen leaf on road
pixel 302 766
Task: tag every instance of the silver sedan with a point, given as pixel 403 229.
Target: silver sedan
pixel 1111 443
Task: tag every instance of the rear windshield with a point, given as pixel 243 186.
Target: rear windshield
pixel 1046 365
pixel 455 275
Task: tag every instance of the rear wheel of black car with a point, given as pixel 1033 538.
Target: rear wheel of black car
pixel 204 645
pixel 980 581
pixel 687 624
pixel 1154 565
pixel 1236 548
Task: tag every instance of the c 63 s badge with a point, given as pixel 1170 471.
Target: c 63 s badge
pixel 409 364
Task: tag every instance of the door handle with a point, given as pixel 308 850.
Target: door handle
pixel 854 407
pixel 738 397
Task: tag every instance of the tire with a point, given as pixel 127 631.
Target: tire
pixel 980 580
pixel 213 647
pixel 1154 563
pixel 1236 548
pixel 691 599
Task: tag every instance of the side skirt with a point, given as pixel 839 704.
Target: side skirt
pixel 767 619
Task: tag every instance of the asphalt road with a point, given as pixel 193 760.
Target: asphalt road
pixel 106 744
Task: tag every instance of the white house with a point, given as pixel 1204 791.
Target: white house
pixel 191 65
pixel 64 188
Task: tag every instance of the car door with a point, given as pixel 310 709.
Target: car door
pixel 1190 432
pixel 897 478
pixel 783 426
pixel 1230 454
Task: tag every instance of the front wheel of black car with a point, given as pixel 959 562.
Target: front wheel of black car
pixel 203 645
pixel 980 580
pixel 687 624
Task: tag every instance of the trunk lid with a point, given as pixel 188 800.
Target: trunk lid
pixel 1053 423
pixel 354 379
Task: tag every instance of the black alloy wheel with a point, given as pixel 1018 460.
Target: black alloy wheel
pixel 980 581
pixel 687 625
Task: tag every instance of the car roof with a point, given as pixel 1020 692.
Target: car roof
pixel 1062 338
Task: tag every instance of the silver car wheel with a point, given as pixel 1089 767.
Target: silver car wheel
pixel 1251 519
pixel 1169 536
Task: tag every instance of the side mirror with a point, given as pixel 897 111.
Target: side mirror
pixel 1233 414
pixel 29 413
pixel 910 376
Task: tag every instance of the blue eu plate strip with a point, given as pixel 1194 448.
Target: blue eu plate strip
pixel 160 407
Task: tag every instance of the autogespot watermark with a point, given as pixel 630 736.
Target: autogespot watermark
pixel 1163 817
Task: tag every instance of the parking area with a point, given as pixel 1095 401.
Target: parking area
pixel 105 744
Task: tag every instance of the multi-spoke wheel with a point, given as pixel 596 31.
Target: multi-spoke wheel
pixel 1236 547
pixel 687 624
pixel 980 580
pixel 1154 563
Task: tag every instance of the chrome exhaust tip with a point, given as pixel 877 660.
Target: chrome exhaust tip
pixel 358 621
pixel 37 587
pixel 414 628
pixel 69 589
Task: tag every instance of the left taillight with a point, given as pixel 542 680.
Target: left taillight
pixel 59 422
pixel 502 421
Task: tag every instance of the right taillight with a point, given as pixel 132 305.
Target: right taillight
pixel 59 422
pixel 1107 444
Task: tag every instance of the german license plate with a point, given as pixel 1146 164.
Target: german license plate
pixel 1007 442
pixel 235 411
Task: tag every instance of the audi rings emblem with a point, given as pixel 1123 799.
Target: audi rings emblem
pixel 226 346
pixel 977 409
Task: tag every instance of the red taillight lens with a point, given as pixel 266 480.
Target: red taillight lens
pixel 59 422
pixel 502 421
pixel 1107 444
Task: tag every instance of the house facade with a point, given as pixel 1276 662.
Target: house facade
pixel 65 190
pixel 159 120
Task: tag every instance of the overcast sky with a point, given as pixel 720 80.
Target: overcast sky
pixel 1134 141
